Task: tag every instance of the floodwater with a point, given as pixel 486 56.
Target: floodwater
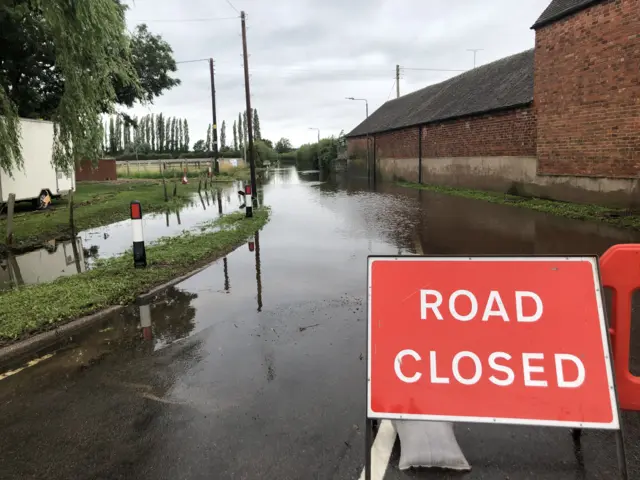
pixel 58 259
pixel 42 265
pixel 114 239
pixel 255 367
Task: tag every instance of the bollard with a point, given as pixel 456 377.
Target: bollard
pixel 139 253
pixel 184 176
pixel 247 201
pixel 252 244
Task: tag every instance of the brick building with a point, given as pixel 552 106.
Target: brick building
pixel 560 121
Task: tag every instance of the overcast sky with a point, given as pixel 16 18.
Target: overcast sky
pixel 306 56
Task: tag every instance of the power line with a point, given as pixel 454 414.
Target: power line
pixel 391 91
pixel 231 5
pixel 183 20
pixel 194 61
pixel 432 69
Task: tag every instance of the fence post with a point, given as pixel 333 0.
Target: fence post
pixel 10 207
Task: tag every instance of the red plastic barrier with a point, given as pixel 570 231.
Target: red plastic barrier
pixel 620 271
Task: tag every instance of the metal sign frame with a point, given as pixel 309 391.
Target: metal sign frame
pixel 576 427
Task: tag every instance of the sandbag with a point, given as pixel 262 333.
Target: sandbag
pixel 429 444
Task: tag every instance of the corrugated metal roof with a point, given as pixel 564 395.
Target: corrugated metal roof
pixel 501 84
pixel 559 9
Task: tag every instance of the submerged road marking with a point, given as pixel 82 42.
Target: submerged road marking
pixel 381 450
pixel 5 375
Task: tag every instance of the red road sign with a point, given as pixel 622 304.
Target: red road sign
pixel 520 340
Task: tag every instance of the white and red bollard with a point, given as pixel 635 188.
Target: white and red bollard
pixel 252 244
pixel 184 176
pixel 248 201
pixel 139 252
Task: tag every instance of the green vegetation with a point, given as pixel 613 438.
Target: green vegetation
pixel 95 204
pixel 618 217
pixel 115 281
pixel 320 155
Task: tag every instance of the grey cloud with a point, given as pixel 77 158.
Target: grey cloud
pixel 307 55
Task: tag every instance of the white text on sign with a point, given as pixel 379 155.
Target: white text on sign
pixel 498 366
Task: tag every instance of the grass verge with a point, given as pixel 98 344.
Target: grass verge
pixel 29 309
pixel 95 204
pixel 617 217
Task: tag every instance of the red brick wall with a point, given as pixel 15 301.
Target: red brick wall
pixel 500 134
pixel 106 170
pixel 508 133
pixel 587 92
pixel 357 147
pixel 397 144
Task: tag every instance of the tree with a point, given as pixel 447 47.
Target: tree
pixel 235 137
pixel 208 141
pixel 105 141
pixel 223 136
pixel 199 146
pixel 112 136
pixel 48 46
pixel 283 145
pixel 160 132
pixel 186 136
pixel 240 137
pixel 167 135
pixel 152 58
pixel 256 125
pixel 152 127
pixel 180 135
pixel 245 137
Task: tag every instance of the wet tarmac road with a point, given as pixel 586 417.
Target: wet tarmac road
pixel 255 368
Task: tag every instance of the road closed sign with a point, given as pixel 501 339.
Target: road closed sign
pixel 519 340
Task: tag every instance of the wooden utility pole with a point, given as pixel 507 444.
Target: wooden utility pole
pixel 214 128
pixel 247 90
pixel 397 81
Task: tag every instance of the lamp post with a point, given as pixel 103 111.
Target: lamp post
pixel 361 100
pixel 312 128
pixel 368 146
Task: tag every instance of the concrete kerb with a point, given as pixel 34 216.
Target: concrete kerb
pixel 46 339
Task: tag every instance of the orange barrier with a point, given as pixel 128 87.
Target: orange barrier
pixel 620 271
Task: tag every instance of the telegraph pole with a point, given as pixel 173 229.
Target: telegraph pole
pixel 475 52
pixel 247 90
pixel 397 81
pixel 214 128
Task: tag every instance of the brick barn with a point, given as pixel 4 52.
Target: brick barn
pixel 559 121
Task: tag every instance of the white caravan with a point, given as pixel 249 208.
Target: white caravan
pixel 38 177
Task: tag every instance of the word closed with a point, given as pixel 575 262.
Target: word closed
pixel 489 339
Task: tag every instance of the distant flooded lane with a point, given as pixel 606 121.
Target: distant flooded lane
pixel 255 367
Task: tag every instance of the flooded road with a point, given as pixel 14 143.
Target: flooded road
pixel 255 367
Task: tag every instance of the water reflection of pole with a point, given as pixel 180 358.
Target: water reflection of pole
pixel 258 271
pixel 206 194
pixel 219 201
pixel 178 215
pixel 202 201
pixel 226 274
pixel 166 215
pixel 145 321
pixel 14 270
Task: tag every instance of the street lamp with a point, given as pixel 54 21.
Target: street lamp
pixel 362 100
pixel 312 128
